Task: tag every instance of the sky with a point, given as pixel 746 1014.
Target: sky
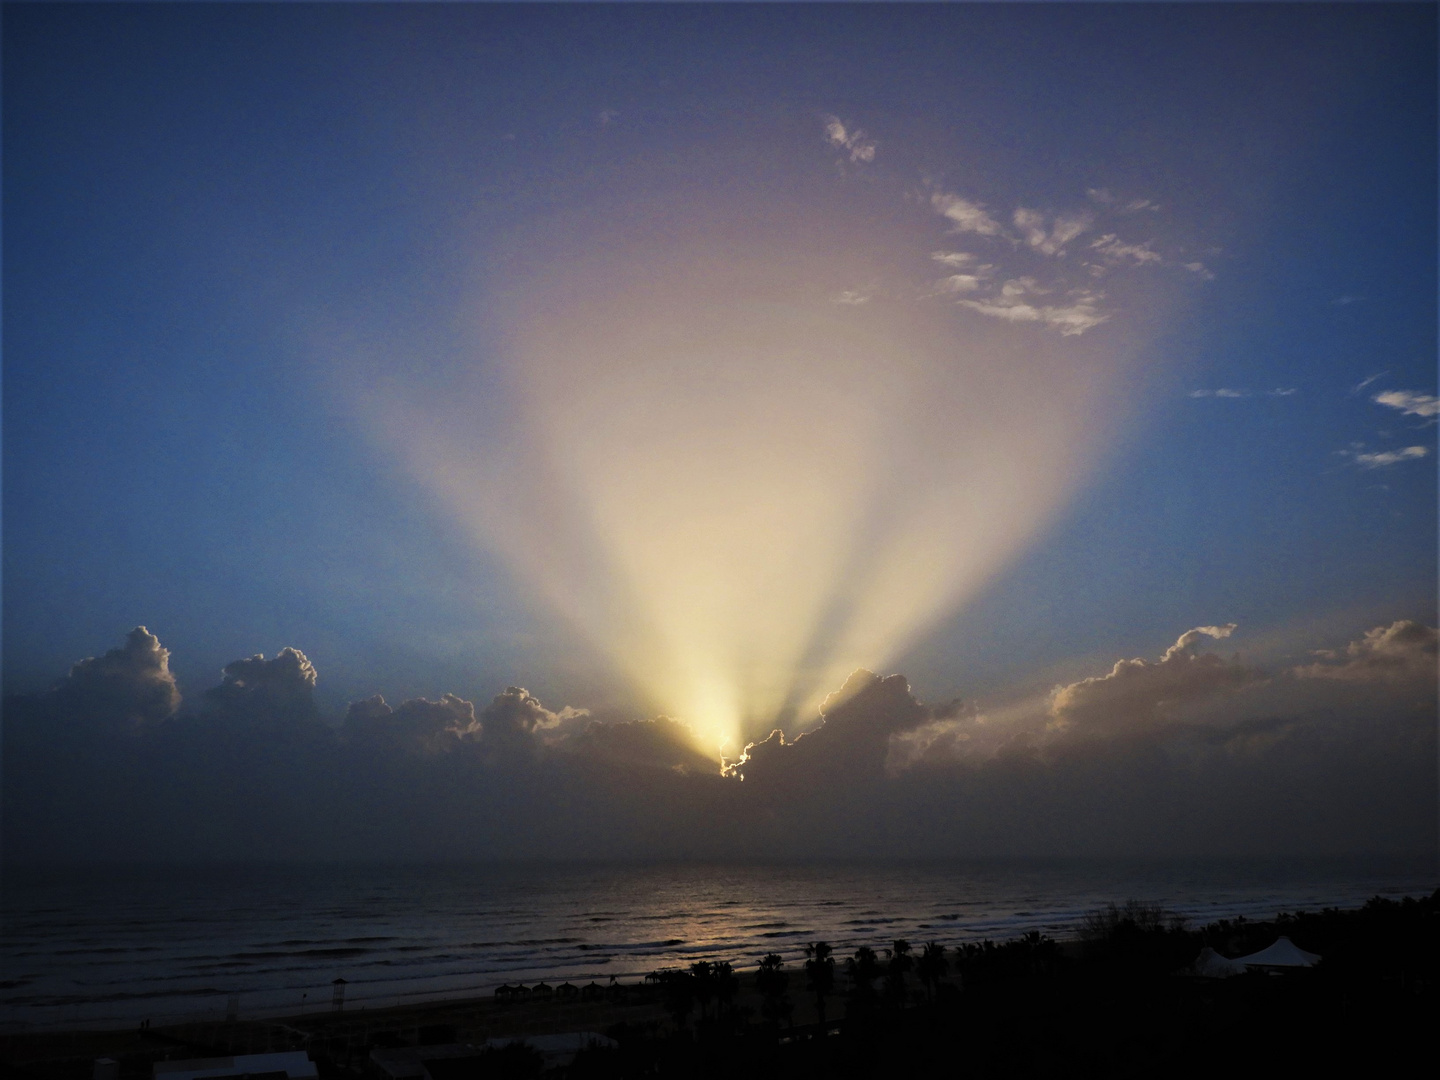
pixel 683 365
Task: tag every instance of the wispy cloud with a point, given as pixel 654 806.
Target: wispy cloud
pixel 1367 381
pixel 1116 250
pixel 851 298
pixel 1074 318
pixel 1409 402
pixel 853 142
pixel 1383 458
pixel 1200 270
pixel 1347 300
pixel 1233 392
pixel 1051 239
pixel 956 259
pixel 964 215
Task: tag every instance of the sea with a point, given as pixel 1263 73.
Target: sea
pixel 113 946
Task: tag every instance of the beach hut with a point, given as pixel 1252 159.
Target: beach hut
pixel 1211 965
pixel 1283 954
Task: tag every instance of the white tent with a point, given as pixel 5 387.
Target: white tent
pixel 1211 965
pixel 1283 954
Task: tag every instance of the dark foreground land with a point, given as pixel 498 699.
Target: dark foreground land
pixel 1111 1005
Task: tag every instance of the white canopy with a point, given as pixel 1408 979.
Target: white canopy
pixel 1284 953
pixel 1211 965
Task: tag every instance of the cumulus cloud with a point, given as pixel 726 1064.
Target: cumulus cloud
pixel 130 685
pixel 853 142
pixel 965 216
pixel 417 724
pixel 1409 402
pixel 257 689
pixel 1202 755
pixel 512 719
pixel 1138 694
pixel 1380 459
pixel 661 743
pixel 1401 651
pixel 851 742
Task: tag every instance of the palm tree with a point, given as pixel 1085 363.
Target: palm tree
pixel 702 974
pixel 678 988
pixel 900 961
pixel 771 981
pixel 863 969
pixel 932 966
pixel 726 984
pixel 820 974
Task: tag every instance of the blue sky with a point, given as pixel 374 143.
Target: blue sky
pixel 217 218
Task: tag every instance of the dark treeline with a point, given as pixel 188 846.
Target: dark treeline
pixel 1117 1003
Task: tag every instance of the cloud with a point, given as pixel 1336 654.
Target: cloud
pixel 964 215
pixel 607 117
pixel 256 689
pixel 956 260
pixel 1199 270
pixel 131 685
pixel 1138 694
pixel 1403 650
pixel 1233 392
pixel 661 743
pixel 850 744
pixel 418 724
pixel 1197 755
pixel 850 298
pixel 1367 381
pixel 512 719
pixel 1346 301
pixel 855 142
pixel 1381 459
pixel 959 283
pixel 1060 232
pixel 1409 402
pixel 1117 251
pixel 1074 318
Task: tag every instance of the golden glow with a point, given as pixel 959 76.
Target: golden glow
pixel 738 488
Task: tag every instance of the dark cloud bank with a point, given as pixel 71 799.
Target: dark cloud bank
pixel 1186 754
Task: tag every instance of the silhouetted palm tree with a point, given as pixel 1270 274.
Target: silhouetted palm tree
pixel 898 963
pixel 771 980
pixel 863 969
pixel 702 974
pixel 726 984
pixel 678 988
pixel 932 966
pixel 820 974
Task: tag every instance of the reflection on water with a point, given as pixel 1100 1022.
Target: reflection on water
pixel 120 945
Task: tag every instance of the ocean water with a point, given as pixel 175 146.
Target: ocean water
pixel 111 947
